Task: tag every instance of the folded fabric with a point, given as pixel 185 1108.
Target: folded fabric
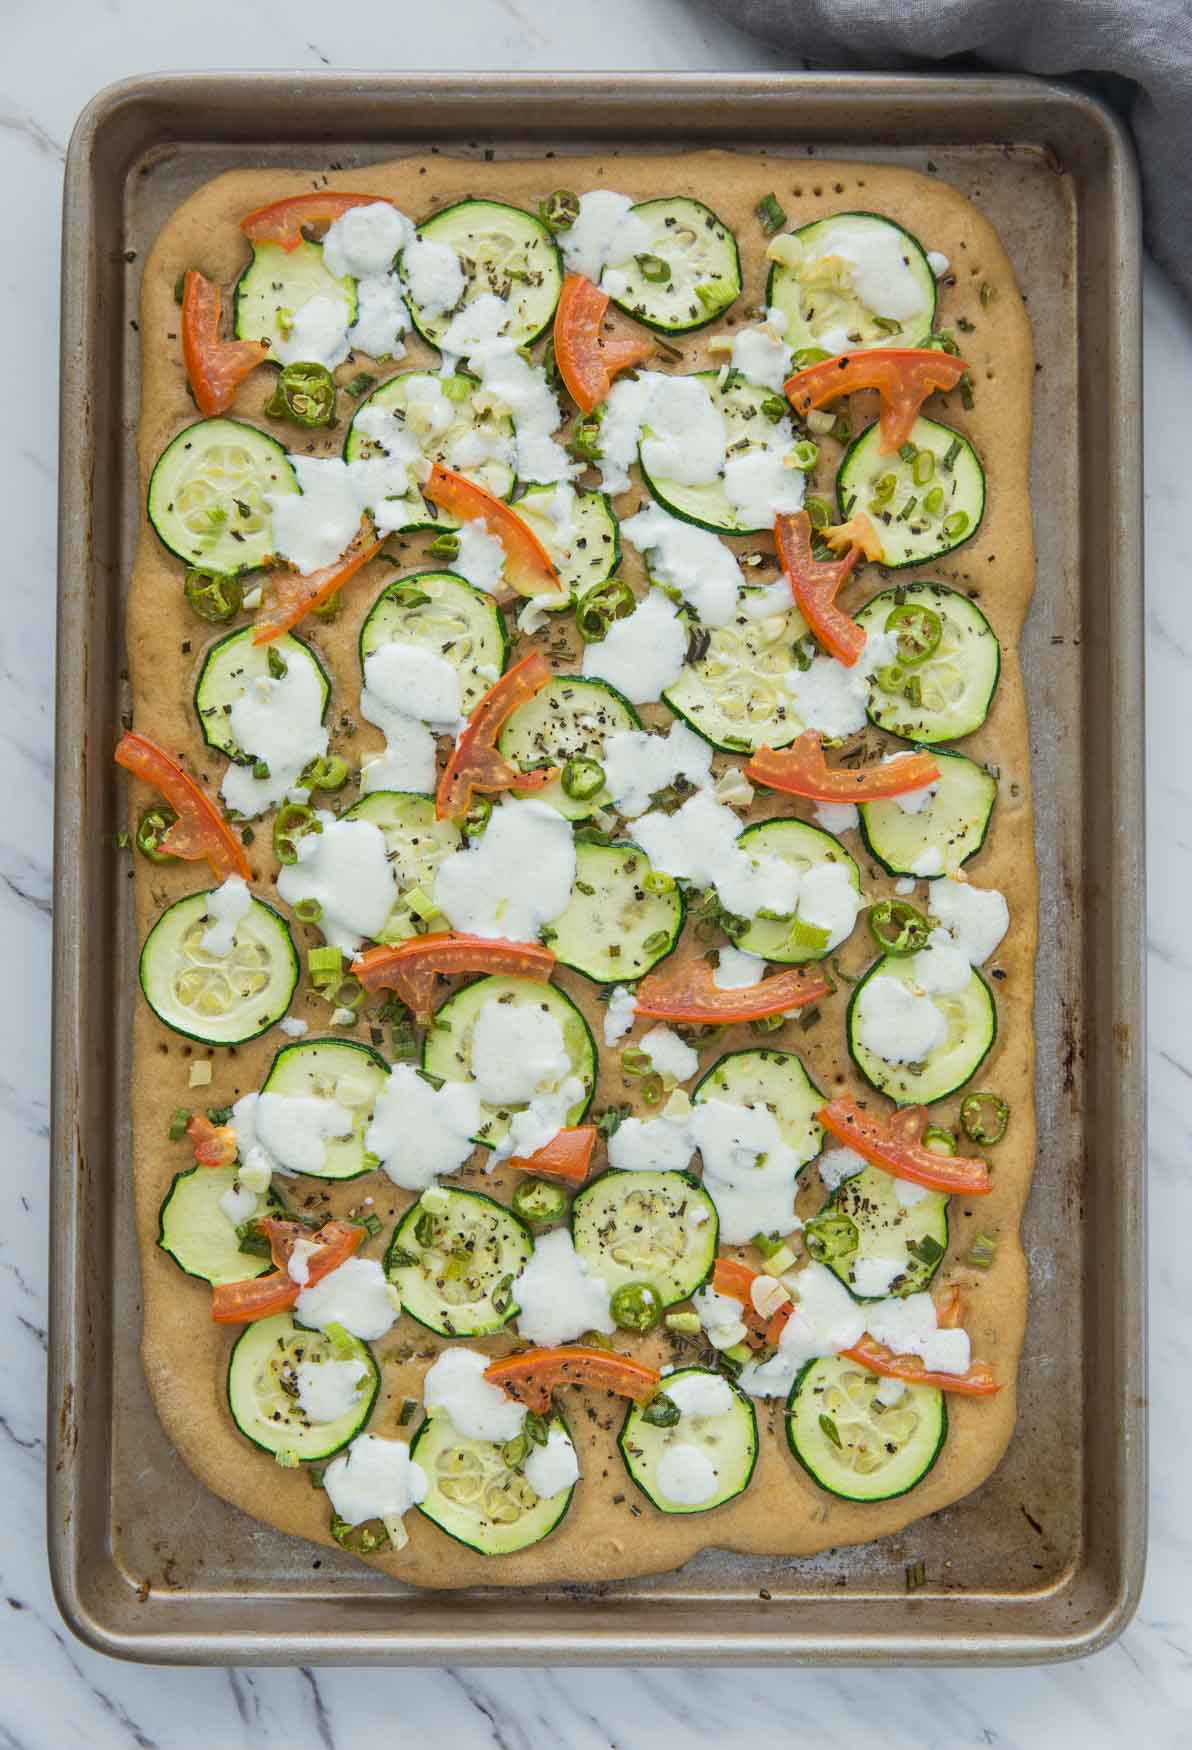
pixel 1137 52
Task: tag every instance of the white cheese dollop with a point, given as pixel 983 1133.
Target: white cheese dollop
pixel 517 1051
pixel 681 430
pixel 513 879
pixel 366 241
pixel 637 765
pixel 554 1467
pixel 277 719
pixel 669 1055
pixel 642 654
pixel 318 334
pixel 346 868
pixel 826 1320
pixel 685 1474
pixel 328 1390
pixel 434 276
pixel 737 970
pixel 720 1317
pixel 693 561
pixel 749 1172
pixel 519 386
pixel 478 1410
pixel 759 484
pixel 940 969
pixel 410 693
pixel 881 267
pixel 619 1013
pixel 650 1145
pixel 419 1132
pixel 834 698
pixel 761 354
pixel 909 1327
pixel 976 918
pixel 294 1129
pixel 559 1301
pixel 836 817
pixel 698 843
pixel 381 318
pixel 837 1165
pixel 481 557
pixel 226 907
pixel 896 1023
pixel 238 1203
pixel 374 1479
pixel 873 1276
pixel 354 1295
pixel 700 1394
pixel 605 232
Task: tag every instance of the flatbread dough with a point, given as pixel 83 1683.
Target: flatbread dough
pixel 610 1531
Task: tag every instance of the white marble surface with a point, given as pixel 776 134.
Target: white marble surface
pixel 53 1692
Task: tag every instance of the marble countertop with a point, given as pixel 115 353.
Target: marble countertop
pixel 53 1691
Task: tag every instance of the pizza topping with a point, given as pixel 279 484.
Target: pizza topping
pixel 903 376
pixel 413 968
pixel 475 765
pixel 587 360
pixel 532 1379
pixel 215 368
pixel 200 830
pixel 283 222
pixel 801 770
pixel 689 993
pixel 896 1145
pixel 528 566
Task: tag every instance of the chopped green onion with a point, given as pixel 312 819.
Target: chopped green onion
pixel 768 1244
pixel 954 449
pixel 213 599
pixel 559 210
pixel 945 342
pixel 308 911
pixel 361 383
pixel 324 967
pixel 635 1061
pixel 923 467
pixel 180 288
pixel 538 1202
pixel 986 294
pixel 984 1117
pixel 774 408
pixel 292 822
pixel 806 356
pixel 897 927
pixel 152 828
pixel 683 1324
pixel 916 1576
pixel 965 386
pixel 806 455
pixel 955 525
pixel 770 215
pixel 582 779
pixel 767 1024
pixel 661 1411
pixel 884 487
pixel 406 1414
pixel 831 1236
pixel 657 881
pixel 927 1250
pixel 654 269
pixel 611 1120
pixel 260 770
pixel 179 1119
pixel 907 452
pixel 636 1306
pixel 305 394
pixel 933 502
pixel 981 1252
pixel 445 545
pixel 819 512
pixel 656 941
pixel 584 443
pixel 276 663
pixel 828 1427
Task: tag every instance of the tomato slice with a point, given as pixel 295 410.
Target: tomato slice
pixel 735 1281
pixel 897 1147
pixel 215 368
pixel 293 596
pixel 874 1357
pixel 528 566
pixel 567 1156
pixel 200 829
pixel 587 360
pixel 801 770
pixel 412 968
pixel 214 1144
pixel 904 376
pixel 857 532
pixel 689 993
pixel 533 1377
pixel 815 585
pixel 239 1303
pixel 475 763
pixel 282 221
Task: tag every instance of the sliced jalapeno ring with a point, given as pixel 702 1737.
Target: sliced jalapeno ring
pixel 559 210
pixel 584 443
pixel 292 822
pixel 213 599
pixel 984 1117
pixel 583 779
pixel 939 1140
pixel 636 1306
pixel 329 772
pixel 897 927
pixel 305 395
pixel 661 1411
pixel 830 1236
pixel 917 632
pixel 599 607
pixel 537 1201
pixel 152 828
pixel 478 816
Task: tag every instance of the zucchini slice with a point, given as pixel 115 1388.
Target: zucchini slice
pixel 262 1388
pixel 804 847
pixel 732 691
pixel 954 821
pixel 751 416
pixel 852 1444
pixel 476 441
pixel 199 1236
pixel 591 552
pixel 503 250
pixel 218 999
pixel 948 695
pixel 208 495
pixel 865 1220
pixel 477 1492
pixel 447 1050
pixel 454 1258
pixel 656 1228
pixel 728 1443
pixel 417 842
pixel 688 276
pixel 819 296
pixel 972 1027
pixel 775 1079
pixel 913 525
pixel 334 1069
pixel 567 719
pixel 230 667
pixel 446 615
pixel 276 284
pixel 614 930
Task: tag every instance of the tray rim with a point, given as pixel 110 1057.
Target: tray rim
pixel 72 1335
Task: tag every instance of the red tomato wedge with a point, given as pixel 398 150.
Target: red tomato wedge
pixel 215 368
pixel 239 1303
pixel 587 361
pixel 904 376
pixel 949 1309
pixel 857 532
pixel 690 993
pixel 801 770
pixel 978 1382
pixel 528 566
pixel 200 829
pixel 897 1146
pixel 412 968
pixel 214 1144
pixel 282 221
pixel 567 1156
pixel 475 763
pixel 293 596
pixel 815 584
pixel 533 1377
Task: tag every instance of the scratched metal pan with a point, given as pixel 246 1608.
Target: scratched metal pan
pixel 1045 1561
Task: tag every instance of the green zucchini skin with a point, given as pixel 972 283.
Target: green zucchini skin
pixel 903 545
pixel 813 1450
pixel 473 1530
pixel 213 553
pixel 799 335
pixel 924 1090
pixel 777 1079
pixel 884 826
pixel 971 649
pixel 584 935
pixel 513 1242
pixel 230 664
pixel 302 1069
pixel 187 1249
pixel 641 1446
pixel 157 945
pixel 680 313
pixel 598 1205
pixel 466 219
pixel 251 1349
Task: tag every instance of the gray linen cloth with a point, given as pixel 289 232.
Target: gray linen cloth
pixel 1138 53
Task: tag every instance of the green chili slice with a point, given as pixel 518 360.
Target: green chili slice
pixel 830 1236
pixel 559 210
pixel 658 881
pixel 806 455
pixel 582 779
pixel 599 607
pixel 584 443
pixel 213 599
pixel 933 501
pixel 984 1117
pixel 179 1119
pixel 923 467
pixel 636 1306
pixel 939 1140
pixel 537 1201
pixel 152 828
pixel 981 1252
pixel 329 772
pixel 292 822
pixel 661 1411
pixel 305 395
pixel 477 818
pixel 955 525
pixel 806 356
pixel 770 214
pixel 445 546
pixel 308 911
pixel 361 383
pixel 654 269
pixel 897 927
pixel 917 632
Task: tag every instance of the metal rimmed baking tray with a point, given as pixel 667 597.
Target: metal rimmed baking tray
pixel 1045 1560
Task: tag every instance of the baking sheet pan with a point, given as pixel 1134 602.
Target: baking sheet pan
pixel 1045 1560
